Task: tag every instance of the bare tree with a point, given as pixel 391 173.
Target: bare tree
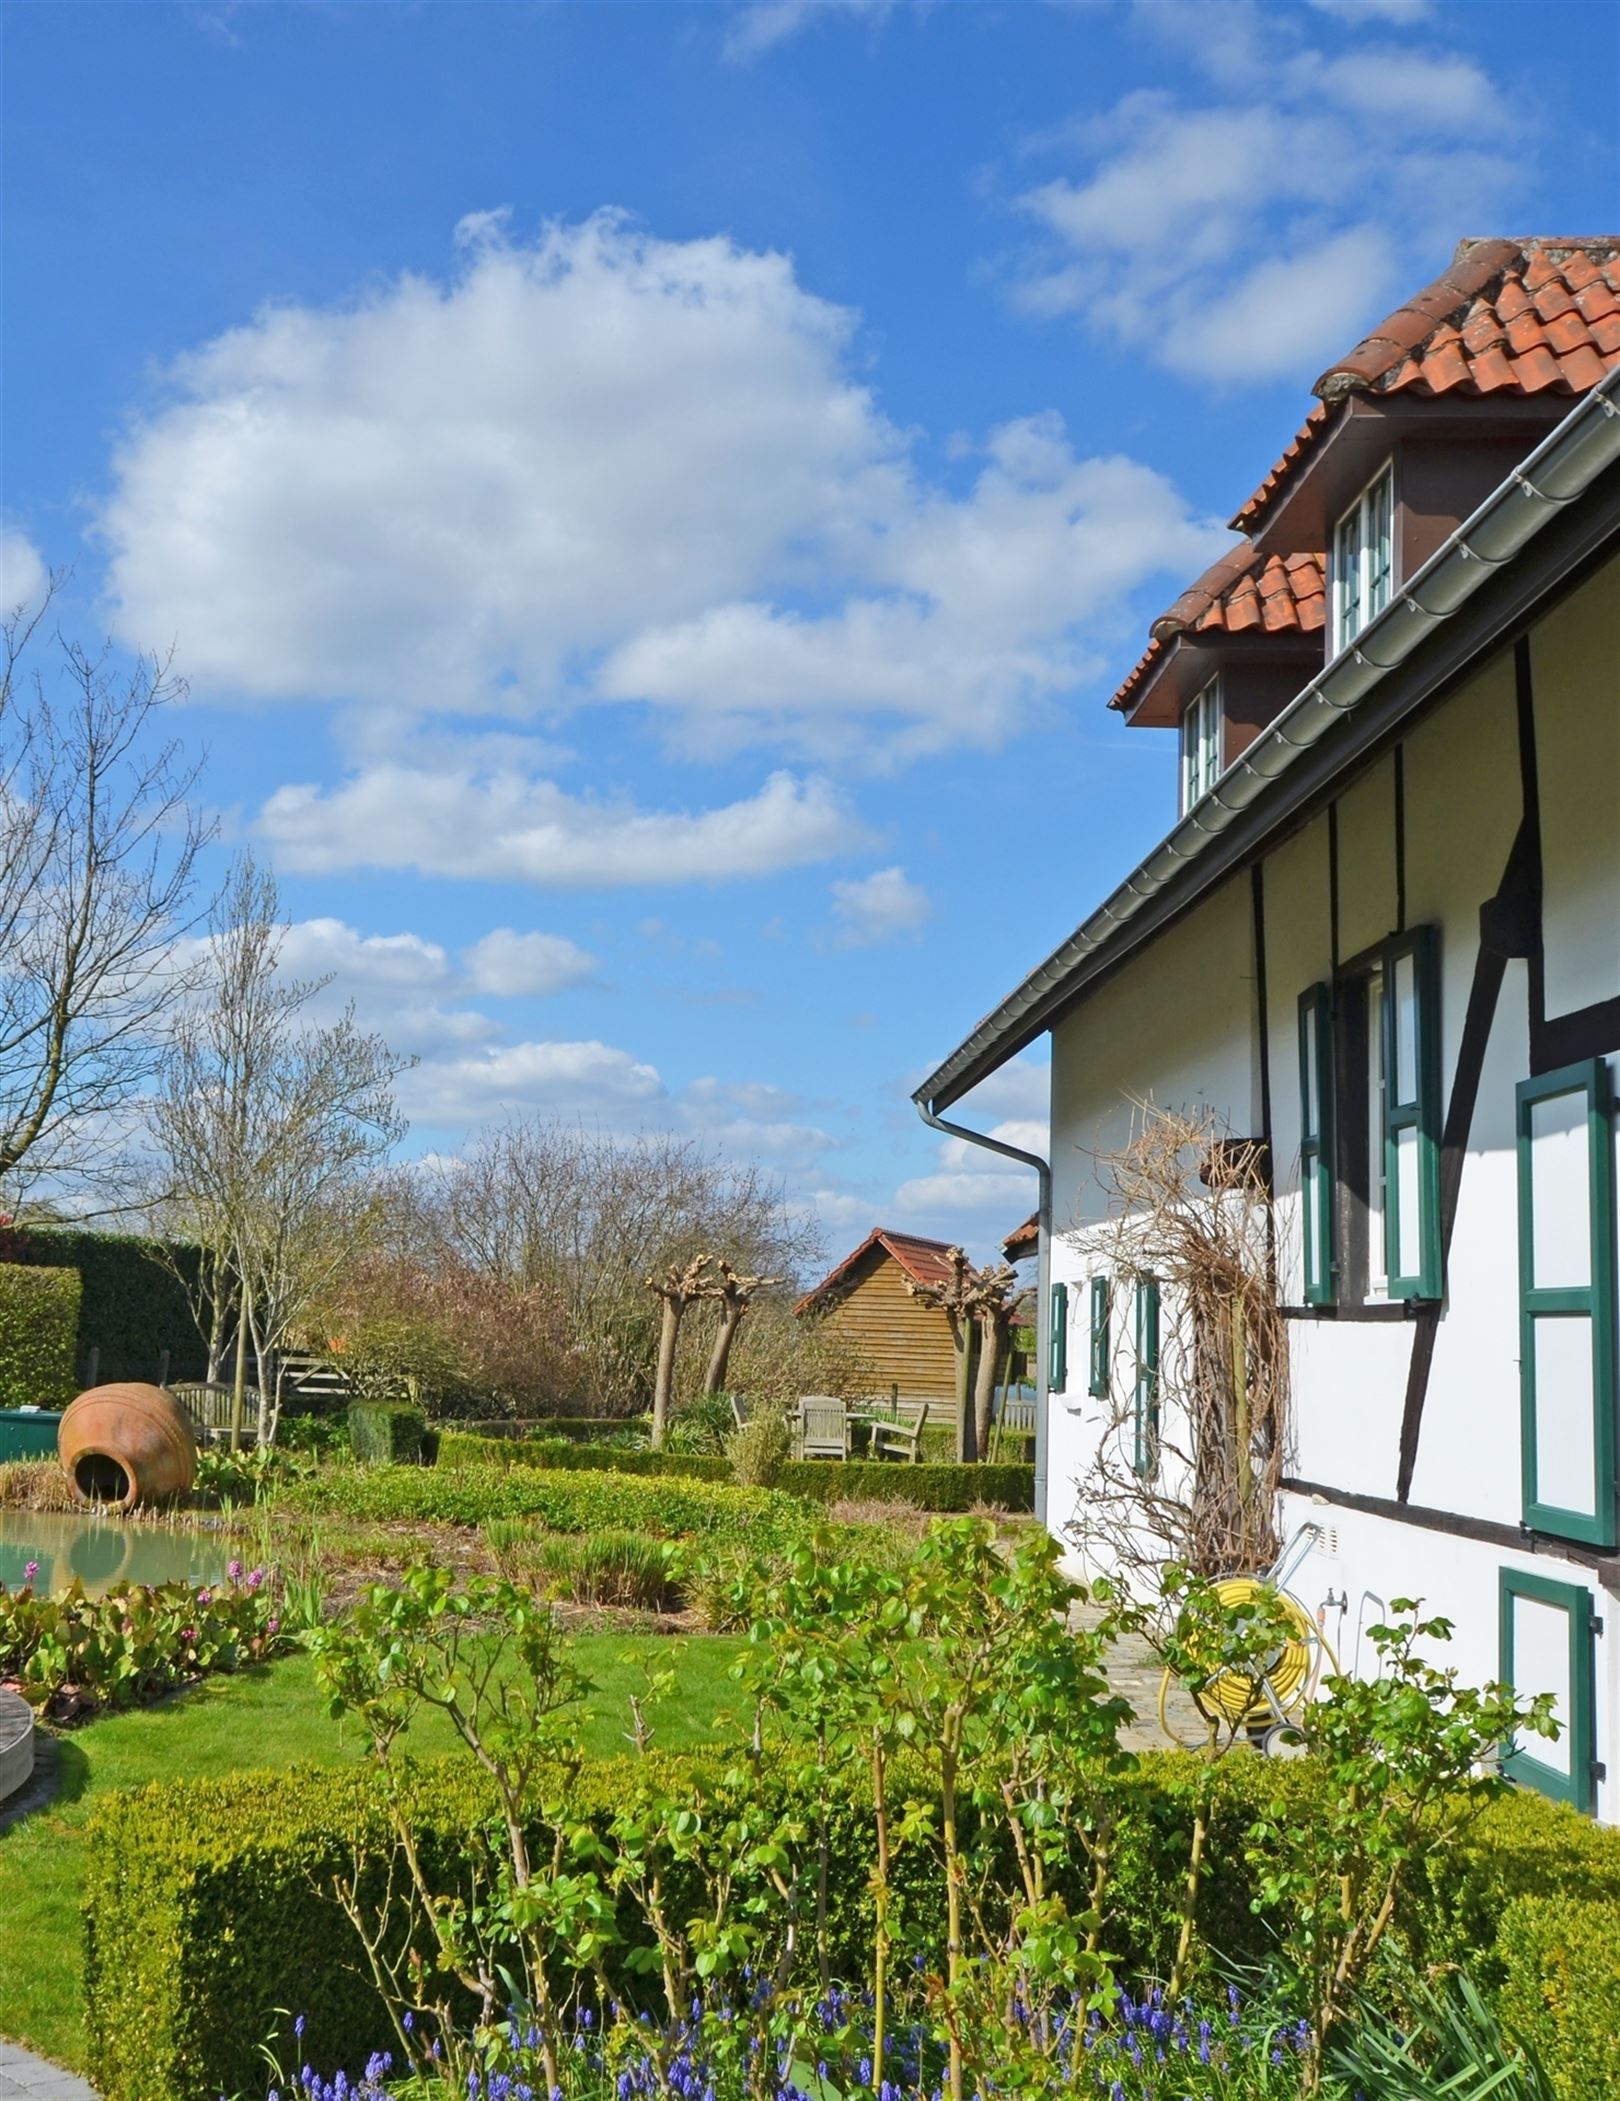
pixel 98 846
pixel 991 1295
pixel 269 1127
pixel 735 1294
pixel 585 1217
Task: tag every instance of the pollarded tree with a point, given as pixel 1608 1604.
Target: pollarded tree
pixel 679 1286
pixel 268 1126
pixel 734 1293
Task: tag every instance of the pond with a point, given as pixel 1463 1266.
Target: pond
pixel 102 1551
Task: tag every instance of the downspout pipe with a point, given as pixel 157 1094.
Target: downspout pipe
pixel 1043 1317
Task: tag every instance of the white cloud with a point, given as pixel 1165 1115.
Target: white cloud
pixel 553 1078
pixel 23 574
pixel 1398 12
pixel 760 25
pixel 879 907
pixel 973 1190
pixel 312 948
pixel 1251 239
pixel 511 965
pixel 509 826
pixel 605 469
pixel 1020 1089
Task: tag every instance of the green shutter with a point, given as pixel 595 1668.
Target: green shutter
pixel 1564 1767
pixel 1145 1456
pixel 1101 1342
pixel 1058 1360
pixel 1411 1074
pixel 1316 1141
pixel 1567 1303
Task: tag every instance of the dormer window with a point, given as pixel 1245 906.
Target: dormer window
pixel 1200 745
pixel 1363 559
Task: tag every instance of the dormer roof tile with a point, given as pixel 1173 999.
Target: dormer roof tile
pixel 1242 593
pixel 1534 316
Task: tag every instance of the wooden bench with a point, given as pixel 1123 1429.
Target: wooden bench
pixel 901 1438
pixel 208 1408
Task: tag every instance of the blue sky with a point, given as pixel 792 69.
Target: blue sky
pixel 652 500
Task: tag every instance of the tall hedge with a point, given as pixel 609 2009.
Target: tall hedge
pixel 39 1326
pixel 206 1926
pixel 133 1307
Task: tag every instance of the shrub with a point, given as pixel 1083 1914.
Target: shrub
pixel 387 1433
pixel 1560 1991
pixel 758 1450
pixel 582 1501
pixel 39 1326
pixel 457 1448
pixel 939 1488
pixel 72 1654
pixel 405 1358
pixel 133 1309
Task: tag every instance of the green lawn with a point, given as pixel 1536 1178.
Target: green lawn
pixel 269 1717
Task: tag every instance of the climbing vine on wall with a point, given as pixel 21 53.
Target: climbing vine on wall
pixel 1193 1439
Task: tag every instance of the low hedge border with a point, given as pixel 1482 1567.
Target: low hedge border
pixel 205 1919
pixel 564 1500
pixel 815 1480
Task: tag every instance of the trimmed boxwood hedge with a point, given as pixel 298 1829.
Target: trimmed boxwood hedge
pixel 206 1926
pixel 816 1480
pixel 39 1326
pixel 133 1308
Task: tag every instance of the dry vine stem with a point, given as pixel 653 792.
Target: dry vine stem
pixel 1190 1207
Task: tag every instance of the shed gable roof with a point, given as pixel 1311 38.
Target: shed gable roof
pixel 924 1262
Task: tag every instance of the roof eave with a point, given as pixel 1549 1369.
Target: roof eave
pixel 1564 466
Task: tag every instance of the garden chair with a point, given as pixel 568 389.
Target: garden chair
pixel 739 1414
pixel 902 1438
pixel 822 1428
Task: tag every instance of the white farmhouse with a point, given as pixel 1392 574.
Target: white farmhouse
pixel 1382 945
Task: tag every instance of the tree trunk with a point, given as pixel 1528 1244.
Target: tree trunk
pixel 967 1446
pixel 984 1385
pixel 664 1379
pixel 731 1319
pixel 239 1381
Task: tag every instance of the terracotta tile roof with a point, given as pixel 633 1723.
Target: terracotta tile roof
pixel 1241 594
pixel 924 1261
pixel 1023 1240
pixel 1508 317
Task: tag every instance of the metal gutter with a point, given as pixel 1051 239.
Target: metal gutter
pixel 1043 1172
pixel 1561 468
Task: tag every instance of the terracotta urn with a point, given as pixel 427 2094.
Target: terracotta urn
pixel 126 1444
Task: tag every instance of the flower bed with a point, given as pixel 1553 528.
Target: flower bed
pixel 71 1655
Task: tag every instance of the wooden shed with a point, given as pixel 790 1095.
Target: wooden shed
pixel 907 1344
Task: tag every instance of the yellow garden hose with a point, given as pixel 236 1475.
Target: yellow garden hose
pixel 1289 1676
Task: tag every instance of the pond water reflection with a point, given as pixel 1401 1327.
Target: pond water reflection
pixel 102 1551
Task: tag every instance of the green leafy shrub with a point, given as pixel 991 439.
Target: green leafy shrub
pixel 133 1309
pixel 405 1358
pixel 39 1326
pixel 387 1433
pixel 583 1501
pixel 72 1654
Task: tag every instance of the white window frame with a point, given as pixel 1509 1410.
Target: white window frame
pixel 1201 764
pixel 1360 577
